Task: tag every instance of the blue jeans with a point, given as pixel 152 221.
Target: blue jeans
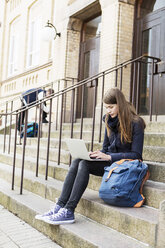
pixel 77 179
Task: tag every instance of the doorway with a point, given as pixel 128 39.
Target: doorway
pixel 150 41
pixel 89 64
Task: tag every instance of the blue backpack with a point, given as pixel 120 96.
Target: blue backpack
pixel 32 130
pixel 123 182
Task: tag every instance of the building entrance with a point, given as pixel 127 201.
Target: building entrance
pixel 89 64
pixel 150 41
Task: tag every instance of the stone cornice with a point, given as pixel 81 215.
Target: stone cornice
pixel 105 3
pixel 27 72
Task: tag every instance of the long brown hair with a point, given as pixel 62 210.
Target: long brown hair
pixel 126 114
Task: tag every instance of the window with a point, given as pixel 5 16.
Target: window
pixel 13 48
pixel 34 33
pixel 34 43
pixel 159 4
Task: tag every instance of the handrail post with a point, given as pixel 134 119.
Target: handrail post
pixel 121 77
pixel 22 114
pixel 57 105
pixel 41 122
pixel 65 99
pixel 72 115
pixel 60 134
pixel 138 87
pixel 14 155
pixel 36 113
pixel 134 82
pixel 151 89
pixel 82 111
pixel 116 77
pixel 38 143
pixel 94 113
pixel 72 109
pixel 23 152
pixel 4 144
pixel 101 112
pixel 48 144
pixel 10 127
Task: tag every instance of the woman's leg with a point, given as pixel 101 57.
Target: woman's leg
pixel 81 181
pixel 74 186
pixel 68 183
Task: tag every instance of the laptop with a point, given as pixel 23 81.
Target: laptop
pixel 77 149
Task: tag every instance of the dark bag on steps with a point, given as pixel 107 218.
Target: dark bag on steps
pixel 32 130
pixel 122 183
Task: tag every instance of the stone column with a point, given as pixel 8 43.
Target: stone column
pixel 116 40
pixel 66 57
pixel 72 60
pixel 117 34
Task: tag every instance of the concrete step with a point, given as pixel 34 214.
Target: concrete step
pixel 151 127
pixel 150 153
pixel 76 127
pixel 138 223
pixel 59 172
pixel 155 127
pixel 54 142
pixel 154 139
pixel 154 153
pixel 150 139
pixel 83 233
pixel 157 171
pixel 87 135
pixel 32 151
pixel 154 193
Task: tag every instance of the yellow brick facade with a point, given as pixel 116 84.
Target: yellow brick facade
pixel 59 59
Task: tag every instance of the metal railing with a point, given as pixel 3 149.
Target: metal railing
pixel 117 73
pixel 9 104
pixel 44 86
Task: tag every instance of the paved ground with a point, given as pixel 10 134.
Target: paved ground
pixel 16 233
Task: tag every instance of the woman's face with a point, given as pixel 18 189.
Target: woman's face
pixel 112 109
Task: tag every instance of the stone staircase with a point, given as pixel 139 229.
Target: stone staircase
pixel 97 224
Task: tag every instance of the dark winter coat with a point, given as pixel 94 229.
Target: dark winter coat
pixel 116 149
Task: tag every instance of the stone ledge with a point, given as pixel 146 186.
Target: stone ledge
pixel 137 223
pixel 83 233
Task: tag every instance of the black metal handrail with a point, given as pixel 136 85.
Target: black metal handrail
pixel 100 78
pixel 85 81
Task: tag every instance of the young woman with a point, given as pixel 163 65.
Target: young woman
pixel 124 134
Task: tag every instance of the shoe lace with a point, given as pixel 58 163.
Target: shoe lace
pixel 62 212
pixel 50 211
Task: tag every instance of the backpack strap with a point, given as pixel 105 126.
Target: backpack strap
pixel 144 180
pixel 139 204
pixel 123 160
pixel 126 159
pixel 110 172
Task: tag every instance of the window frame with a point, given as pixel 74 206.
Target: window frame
pixel 14 42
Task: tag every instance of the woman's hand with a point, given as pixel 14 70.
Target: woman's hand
pixel 100 155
